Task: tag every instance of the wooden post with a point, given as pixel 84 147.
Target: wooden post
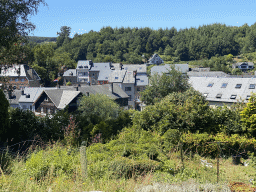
pixel 181 155
pixel 218 163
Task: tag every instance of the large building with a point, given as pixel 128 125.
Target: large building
pixel 224 90
pixel 20 76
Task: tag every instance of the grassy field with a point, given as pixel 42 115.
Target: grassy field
pixel 60 168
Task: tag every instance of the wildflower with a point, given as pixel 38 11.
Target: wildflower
pixel 31 178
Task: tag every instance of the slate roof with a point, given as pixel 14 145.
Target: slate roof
pixel 201 84
pixel 12 71
pixel 207 74
pixel 129 77
pixel 16 94
pixel 68 73
pixel 116 66
pixel 34 93
pixel 104 70
pixel 84 64
pixel 100 89
pixel 141 80
pixel 240 63
pixel 135 67
pixel 117 76
pixel 183 68
pixel 61 98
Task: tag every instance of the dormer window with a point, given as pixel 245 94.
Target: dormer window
pixel 233 97
pixel 116 77
pixel 218 95
pixel 224 85
pixel 205 94
pixel 46 98
pixel 252 86
pixel 238 86
pixel 210 85
pixel 248 97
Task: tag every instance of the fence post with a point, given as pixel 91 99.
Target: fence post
pixel 181 154
pixel 218 163
pixel 83 159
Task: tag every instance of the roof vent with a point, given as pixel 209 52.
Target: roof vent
pixel 71 74
pixel 28 96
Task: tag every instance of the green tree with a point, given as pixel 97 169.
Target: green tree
pixel 163 84
pixel 14 25
pixel 63 35
pixel 4 115
pixel 98 107
pixel 248 117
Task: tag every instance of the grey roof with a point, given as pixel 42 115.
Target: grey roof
pixel 16 94
pixel 201 84
pixel 61 98
pixel 83 64
pixel 34 93
pixel 104 70
pixel 117 76
pixel 129 77
pixel 69 72
pixel 207 74
pixel 183 68
pixel 141 80
pixel 155 59
pixel 136 67
pixel 101 89
pixel 116 66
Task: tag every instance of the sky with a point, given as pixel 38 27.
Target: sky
pixel 83 16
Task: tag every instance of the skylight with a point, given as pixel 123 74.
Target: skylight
pixel 233 97
pixel 116 77
pixel 224 85
pixel 210 85
pixel 238 86
pixel 252 86
pixel 205 94
pixel 218 95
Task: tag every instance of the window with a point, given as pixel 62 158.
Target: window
pixel 233 97
pixel 48 110
pixel 46 98
pixel 252 86
pixel 210 85
pixel 22 80
pixel 128 88
pixel 30 107
pixel 224 85
pixel 24 107
pixel 206 94
pixel 141 80
pixel 138 89
pixel 238 86
pixel 116 77
pixel 16 80
pixel 248 97
pixel 42 109
pixel 130 98
pixel 218 95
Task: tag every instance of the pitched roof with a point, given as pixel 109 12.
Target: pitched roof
pixel 240 63
pixel 183 68
pixel 129 77
pixel 140 68
pixel 207 74
pixel 34 93
pixel 141 80
pixel 69 73
pixel 202 84
pixel 117 76
pixel 84 64
pixel 104 70
pixel 16 94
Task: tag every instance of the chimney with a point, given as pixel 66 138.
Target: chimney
pixel 22 92
pixel 9 94
pixel 76 88
pixel 111 88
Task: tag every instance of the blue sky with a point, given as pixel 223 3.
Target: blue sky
pixel 83 16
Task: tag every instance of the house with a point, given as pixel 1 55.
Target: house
pixel 52 100
pixel 99 73
pixel 183 68
pixel 13 98
pixel 70 76
pixel 82 71
pixel 244 66
pixel 140 85
pixel 114 91
pixel 155 60
pixel 20 76
pixel 224 90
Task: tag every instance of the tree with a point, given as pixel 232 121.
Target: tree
pixel 14 23
pixel 248 117
pixel 164 84
pixel 98 107
pixel 4 115
pixel 63 35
